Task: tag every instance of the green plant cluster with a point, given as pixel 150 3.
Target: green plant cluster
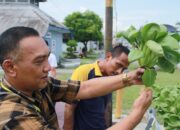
pixel 153 45
pixel 71 47
pixel 167 104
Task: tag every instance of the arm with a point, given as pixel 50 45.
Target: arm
pixel 69 116
pixel 101 86
pixel 140 106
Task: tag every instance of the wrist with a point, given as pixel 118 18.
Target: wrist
pixel 135 118
pixel 126 79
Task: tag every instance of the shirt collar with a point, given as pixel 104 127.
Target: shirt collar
pixel 97 69
pixel 14 90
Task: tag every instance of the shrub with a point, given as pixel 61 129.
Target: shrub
pixel 72 44
pixel 167 104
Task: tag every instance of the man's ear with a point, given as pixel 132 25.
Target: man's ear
pixel 108 55
pixel 8 67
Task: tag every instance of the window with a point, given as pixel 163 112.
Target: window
pixel 23 0
pixel 10 0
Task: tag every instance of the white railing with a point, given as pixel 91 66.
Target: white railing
pixel 152 121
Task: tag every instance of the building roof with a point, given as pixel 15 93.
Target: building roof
pixel 170 28
pixel 26 15
pixel 41 0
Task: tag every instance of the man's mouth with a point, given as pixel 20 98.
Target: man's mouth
pixel 44 77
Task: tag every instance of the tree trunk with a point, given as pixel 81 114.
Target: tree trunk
pixel 85 49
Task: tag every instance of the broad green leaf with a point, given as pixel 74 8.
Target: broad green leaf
pixel 149 31
pixel 165 65
pixel 163 28
pixel 171 55
pixel 164 92
pixel 133 35
pixel 173 109
pixel 131 28
pixel 178 106
pixel 155 47
pixel 162 33
pixel 170 42
pixel 134 55
pixel 173 120
pixel 120 34
pixel 123 34
pixel 149 77
pixel 176 36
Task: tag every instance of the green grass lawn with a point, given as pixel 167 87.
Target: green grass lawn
pixel 92 57
pixel 167 79
pixel 64 76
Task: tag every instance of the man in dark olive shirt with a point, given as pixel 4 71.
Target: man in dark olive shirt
pixel 28 95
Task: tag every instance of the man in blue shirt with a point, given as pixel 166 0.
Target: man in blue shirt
pixel 89 114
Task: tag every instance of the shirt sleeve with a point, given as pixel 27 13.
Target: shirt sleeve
pixel 65 91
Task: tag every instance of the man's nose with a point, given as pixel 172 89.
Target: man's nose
pixel 47 67
pixel 119 71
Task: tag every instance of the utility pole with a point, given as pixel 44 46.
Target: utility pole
pixel 108 47
pixel 108 25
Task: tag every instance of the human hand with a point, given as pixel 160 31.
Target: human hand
pixel 144 100
pixel 141 104
pixel 134 77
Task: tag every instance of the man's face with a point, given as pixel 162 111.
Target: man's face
pixel 32 63
pixel 116 65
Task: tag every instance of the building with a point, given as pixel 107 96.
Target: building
pixel 26 13
pixel 171 28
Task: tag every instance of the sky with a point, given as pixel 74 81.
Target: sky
pixel 125 12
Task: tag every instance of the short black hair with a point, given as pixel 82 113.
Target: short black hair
pixel 9 40
pixel 117 50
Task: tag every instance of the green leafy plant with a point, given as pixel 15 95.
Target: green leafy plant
pixel 71 47
pixel 167 104
pixel 153 45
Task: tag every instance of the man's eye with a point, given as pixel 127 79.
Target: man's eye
pixel 118 65
pixel 39 62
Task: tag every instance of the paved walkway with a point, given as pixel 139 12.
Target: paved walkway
pixel 64 70
pixel 71 62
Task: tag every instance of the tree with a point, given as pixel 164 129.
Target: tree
pixel 85 26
